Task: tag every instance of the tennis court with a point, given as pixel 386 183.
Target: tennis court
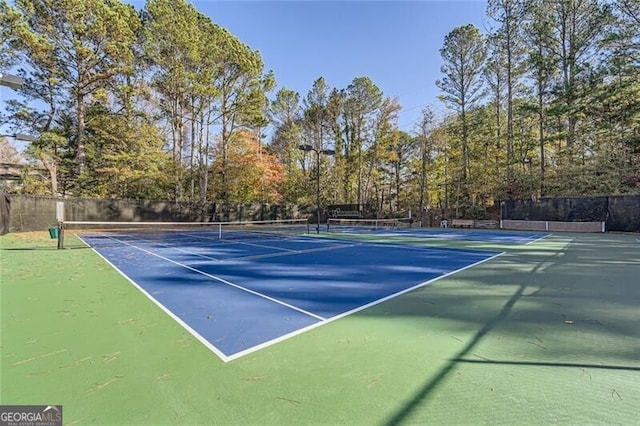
pixel 495 236
pixel 237 295
pixel 345 328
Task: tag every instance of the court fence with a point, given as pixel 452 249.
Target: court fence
pixel 32 213
pixel 588 214
pixel 552 226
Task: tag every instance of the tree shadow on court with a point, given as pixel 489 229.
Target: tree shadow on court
pixel 423 393
pixel 572 286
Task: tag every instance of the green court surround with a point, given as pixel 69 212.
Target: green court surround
pixel 547 333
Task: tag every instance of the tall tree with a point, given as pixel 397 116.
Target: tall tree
pixel 241 85
pixel 578 26
pixel 541 69
pixel 83 46
pixel 132 160
pixel 362 100
pixel 8 18
pixel 424 142
pixel 313 125
pixel 388 147
pixel 255 175
pixel 172 43
pixel 463 53
pixel 285 110
pixel 509 54
pixel 399 149
pixel 285 117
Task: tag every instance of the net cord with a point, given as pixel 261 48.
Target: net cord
pixel 374 222
pixel 220 225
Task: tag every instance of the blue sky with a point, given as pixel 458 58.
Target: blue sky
pixel 395 43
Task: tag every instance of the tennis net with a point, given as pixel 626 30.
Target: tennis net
pixel 176 233
pixel 363 225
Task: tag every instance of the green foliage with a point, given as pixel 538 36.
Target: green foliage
pixel 8 153
pixel 253 174
pixel 463 53
pixel 130 161
pixel 8 19
pixel 165 103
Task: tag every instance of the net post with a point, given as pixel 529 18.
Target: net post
pixel 60 221
pixel 60 235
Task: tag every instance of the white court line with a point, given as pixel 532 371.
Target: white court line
pixel 537 239
pixel 322 320
pixel 170 246
pixel 199 337
pixel 166 310
pixel 260 245
pixel 353 311
pixel 175 247
pixel 315 250
pixel 222 280
pixel 448 235
pixel 286 252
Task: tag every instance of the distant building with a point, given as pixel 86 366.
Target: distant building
pixel 11 174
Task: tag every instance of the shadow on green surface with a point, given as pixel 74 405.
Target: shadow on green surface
pixel 548 364
pixel 579 277
pixel 422 394
pixel 526 292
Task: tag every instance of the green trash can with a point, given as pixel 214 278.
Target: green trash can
pixel 53 232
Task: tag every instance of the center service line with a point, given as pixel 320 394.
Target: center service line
pixel 222 280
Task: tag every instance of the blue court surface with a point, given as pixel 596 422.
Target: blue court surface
pixel 498 236
pixel 240 296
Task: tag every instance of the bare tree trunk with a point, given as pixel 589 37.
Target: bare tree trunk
pixel 509 48
pixel 52 168
pixel 81 150
pixel 541 120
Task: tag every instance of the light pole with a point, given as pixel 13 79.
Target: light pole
pixel 20 137
pixel 12 81
pixel 307 148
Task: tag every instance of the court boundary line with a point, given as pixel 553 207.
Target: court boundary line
pixel 356 310
pixel 174 246
pixel 321 320
pixel 314 250
pixel 222 241
pixel 229 283
pixel 283 251
pixel 197 335
pixel 225 241
pixel 169 246
pixel 166 310
pixel 538 239
pixel 418 233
